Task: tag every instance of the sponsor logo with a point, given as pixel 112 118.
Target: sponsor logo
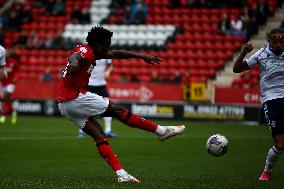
pixel 27 107
pixel 145 93
pixel 161 111
pixel 83 49
pixel 49 107
pixel 265 63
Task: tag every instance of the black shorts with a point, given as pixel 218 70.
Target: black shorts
pixel 99 90
pixel 274 115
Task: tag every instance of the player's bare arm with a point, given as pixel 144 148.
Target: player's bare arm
pixel 3 72
pixel 239 65
pixel 108 71
pixel 122 54
pixel 73 63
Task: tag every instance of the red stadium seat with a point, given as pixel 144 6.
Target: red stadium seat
pixel 198 48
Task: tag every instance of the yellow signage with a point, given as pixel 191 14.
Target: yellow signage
pixel 198 91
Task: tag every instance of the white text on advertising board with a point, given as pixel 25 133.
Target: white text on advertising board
pixel 143 93
pixel 214 112
pixel 251 97
pixel 32 107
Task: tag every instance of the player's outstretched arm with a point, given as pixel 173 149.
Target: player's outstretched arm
pixel 122 54
pixel 239 65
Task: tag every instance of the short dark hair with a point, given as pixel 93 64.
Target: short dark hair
pixel 98 34
pixel 277 30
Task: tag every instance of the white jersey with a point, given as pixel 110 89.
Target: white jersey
pixel 2 56
pixel 98 74
pixel 271 73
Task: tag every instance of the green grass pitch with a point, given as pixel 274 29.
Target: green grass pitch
pixel 44 152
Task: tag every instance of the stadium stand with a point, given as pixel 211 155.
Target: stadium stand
pixel 253 75
pixel 124 35
pixel 196 43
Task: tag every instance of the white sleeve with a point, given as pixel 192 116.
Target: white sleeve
pixel 2 56
pixel 253 60
pixel 108 61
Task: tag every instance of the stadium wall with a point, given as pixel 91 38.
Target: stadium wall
pixel 177 111
pixel 162 101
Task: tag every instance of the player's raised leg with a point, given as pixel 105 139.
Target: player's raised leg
pixel 133 120
pixel 93 129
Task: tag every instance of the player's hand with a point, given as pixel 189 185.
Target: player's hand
pixel 247 48
pixel 152 59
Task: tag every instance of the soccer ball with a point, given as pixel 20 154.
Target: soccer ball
pixel 217 145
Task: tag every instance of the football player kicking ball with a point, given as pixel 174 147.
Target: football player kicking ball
pixel 271 63
pixel 83 107
pixel 98 84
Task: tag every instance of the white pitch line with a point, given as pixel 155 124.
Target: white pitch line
pixel 11 138
pixel 39 138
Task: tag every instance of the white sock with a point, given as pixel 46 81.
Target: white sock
pixel 271 158
pixel 160 130
pixel 121 173
pixel 107 121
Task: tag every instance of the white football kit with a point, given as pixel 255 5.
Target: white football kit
pixel 2 56
pixel 10 88
pixel 97 77
pixel 271 73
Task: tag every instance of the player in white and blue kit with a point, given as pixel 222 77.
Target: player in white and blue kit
pixel 3 72
pixel 2 62
pixel 271 62
pixel 98 84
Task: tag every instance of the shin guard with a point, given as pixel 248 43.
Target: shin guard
pixel 107 154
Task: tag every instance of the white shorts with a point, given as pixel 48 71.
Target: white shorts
pixel 84 106
pixel 10 88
